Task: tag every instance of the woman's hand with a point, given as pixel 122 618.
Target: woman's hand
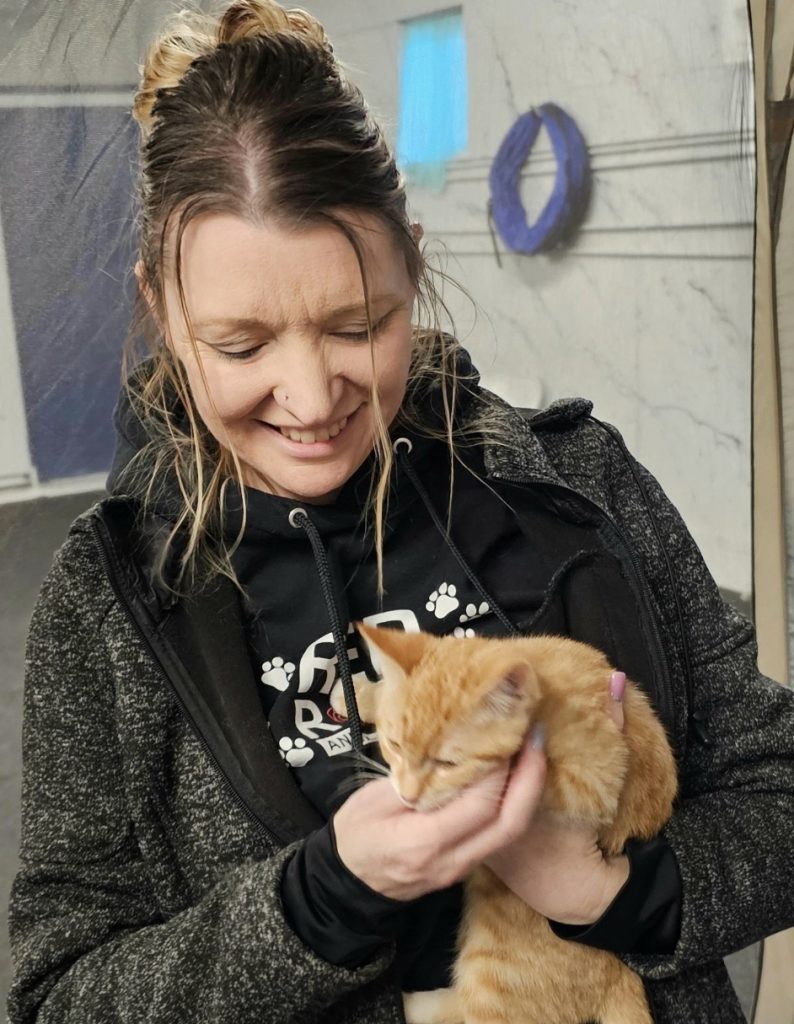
pixel 404 854
pixel 555 865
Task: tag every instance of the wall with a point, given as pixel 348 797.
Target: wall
pixel 650 314
pixel 67 163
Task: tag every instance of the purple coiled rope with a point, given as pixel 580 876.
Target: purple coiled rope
pixel 565 209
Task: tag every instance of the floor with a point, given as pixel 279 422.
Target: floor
pixel 29 534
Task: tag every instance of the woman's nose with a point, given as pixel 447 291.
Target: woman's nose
pixel 307 389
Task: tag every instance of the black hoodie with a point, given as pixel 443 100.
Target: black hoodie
pixel 308 576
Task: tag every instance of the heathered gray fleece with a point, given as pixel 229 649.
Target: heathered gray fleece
pixel 146 894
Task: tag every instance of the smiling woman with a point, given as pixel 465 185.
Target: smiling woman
pixel 188 849
pixel 280 321
pixel 275 243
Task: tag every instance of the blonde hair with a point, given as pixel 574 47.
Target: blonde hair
pixel 247 112
pixel 188 34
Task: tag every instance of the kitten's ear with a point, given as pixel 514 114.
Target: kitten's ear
pixel 393 652
pixel 512 690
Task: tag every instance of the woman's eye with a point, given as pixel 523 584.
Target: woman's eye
pixel 354 335
pixel 362 334
pixel 245 354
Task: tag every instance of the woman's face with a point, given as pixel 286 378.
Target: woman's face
pixel 281 330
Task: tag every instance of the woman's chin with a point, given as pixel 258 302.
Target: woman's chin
pixel 316 484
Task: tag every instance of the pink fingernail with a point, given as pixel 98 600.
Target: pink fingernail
pixel 617 685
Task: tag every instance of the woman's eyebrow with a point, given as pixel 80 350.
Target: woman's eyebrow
pixel 228 321
pixel 360 307
pixel 247 322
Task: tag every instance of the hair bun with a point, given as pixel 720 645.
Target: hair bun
pixel 246 18
pixel 189 34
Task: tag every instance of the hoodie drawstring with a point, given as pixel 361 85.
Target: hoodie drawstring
pixel 401 448
pixel 299 518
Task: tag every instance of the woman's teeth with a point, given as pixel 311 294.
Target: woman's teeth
pixel 310 436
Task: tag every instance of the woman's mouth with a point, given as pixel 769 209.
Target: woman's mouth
pixel 317 442
pixel 310 436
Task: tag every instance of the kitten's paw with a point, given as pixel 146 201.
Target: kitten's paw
pixel 365 699
pixel 439 1006
pixel 337 699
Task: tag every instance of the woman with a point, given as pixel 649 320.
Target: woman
pixel 283 468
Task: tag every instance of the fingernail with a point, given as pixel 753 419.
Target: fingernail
pixel 617 685
pixel 538 736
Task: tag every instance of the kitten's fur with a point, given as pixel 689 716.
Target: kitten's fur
pixel 470 702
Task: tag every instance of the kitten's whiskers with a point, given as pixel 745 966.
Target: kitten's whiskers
pixel 364 769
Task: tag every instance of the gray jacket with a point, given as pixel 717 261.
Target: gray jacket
pixel 157 814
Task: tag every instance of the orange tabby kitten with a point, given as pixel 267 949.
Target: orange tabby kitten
pixel 444 710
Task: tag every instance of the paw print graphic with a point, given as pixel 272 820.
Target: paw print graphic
pixel 459 631
pixel 443 601
pixel 474 612
pixel 295 752
pixel 277 673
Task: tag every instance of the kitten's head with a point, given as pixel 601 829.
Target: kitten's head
pixel 448 710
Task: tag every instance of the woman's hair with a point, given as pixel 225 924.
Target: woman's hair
pixel 248 113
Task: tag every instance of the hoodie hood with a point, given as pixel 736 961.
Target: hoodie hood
pixel 299 565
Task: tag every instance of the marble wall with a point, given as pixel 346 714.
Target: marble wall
pixel 649 314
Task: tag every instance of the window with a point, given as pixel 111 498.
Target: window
pixel 433 119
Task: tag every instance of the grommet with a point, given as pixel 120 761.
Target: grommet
pixel 406 441
pixel 293 513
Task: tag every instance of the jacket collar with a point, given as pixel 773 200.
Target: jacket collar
pixel 199 644
pixel 526 459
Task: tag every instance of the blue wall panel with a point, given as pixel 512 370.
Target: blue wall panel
pixel 65 194
pixel 433 119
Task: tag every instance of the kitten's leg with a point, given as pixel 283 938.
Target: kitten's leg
pixel 440 1006
pixel 625 1001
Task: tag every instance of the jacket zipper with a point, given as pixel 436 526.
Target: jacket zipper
pixel 659 654
pixel 104 545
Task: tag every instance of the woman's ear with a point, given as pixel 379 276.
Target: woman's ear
pixel 418 232
pixel 143 284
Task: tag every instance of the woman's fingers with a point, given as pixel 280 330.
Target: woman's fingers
pixel 404 853
pixel 518 806
pixel 472 810
pixel 617 687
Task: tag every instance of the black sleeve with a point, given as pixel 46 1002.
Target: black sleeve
pixel 645 916
pixel 336 914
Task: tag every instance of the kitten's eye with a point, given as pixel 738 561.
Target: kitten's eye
pixel 444 764
pixel 393 744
